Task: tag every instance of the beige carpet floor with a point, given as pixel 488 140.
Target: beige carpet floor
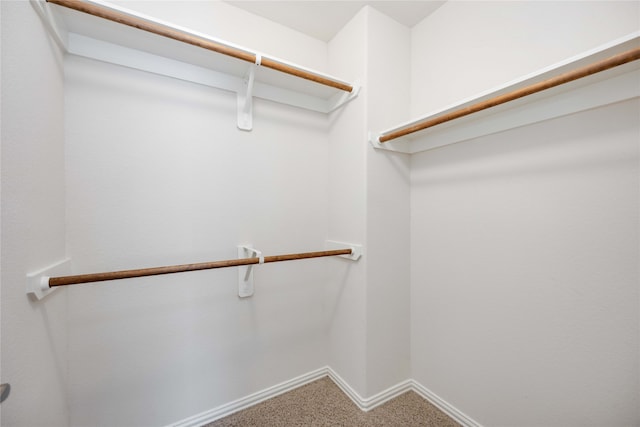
pixel 322 403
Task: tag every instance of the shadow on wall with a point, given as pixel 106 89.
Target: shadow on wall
pixel 564 145
pixel 56 343
pixel 340 276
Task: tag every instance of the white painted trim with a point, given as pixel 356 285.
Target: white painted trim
pixel 443 405
pixel 346 388
pixel 388 394
pixel 367 404
pixel 250 400
pixel 364 404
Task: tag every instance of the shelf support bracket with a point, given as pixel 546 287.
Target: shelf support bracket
pixel 374 139
pixel 245 273
pixel 397 145
pixel 356 250
pixel 44 12
pixel 341 99
pixel 245 98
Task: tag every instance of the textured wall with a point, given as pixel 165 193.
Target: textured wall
pixel 346 296
pixel 520 248
pixel 158 174
pixel 369 195
pixel 388 320
pixel 524 296
pixel 34 334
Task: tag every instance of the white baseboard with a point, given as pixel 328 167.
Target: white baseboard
pixel 250 400
pixel 444 406
pixel 365 404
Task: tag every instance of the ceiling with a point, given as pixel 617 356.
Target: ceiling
pixel 323 19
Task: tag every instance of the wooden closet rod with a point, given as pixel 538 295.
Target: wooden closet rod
pixel 172 33
pixel 605 64
pixel 128 274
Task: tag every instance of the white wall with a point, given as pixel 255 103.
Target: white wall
pixel 34 336
pixel 235 25
pixel 500 273
pixel 368 197
pixel 158 174
pixel 466 47
pixel 524 274
pixel 347 204
pixel 388 94
pixel 0 208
